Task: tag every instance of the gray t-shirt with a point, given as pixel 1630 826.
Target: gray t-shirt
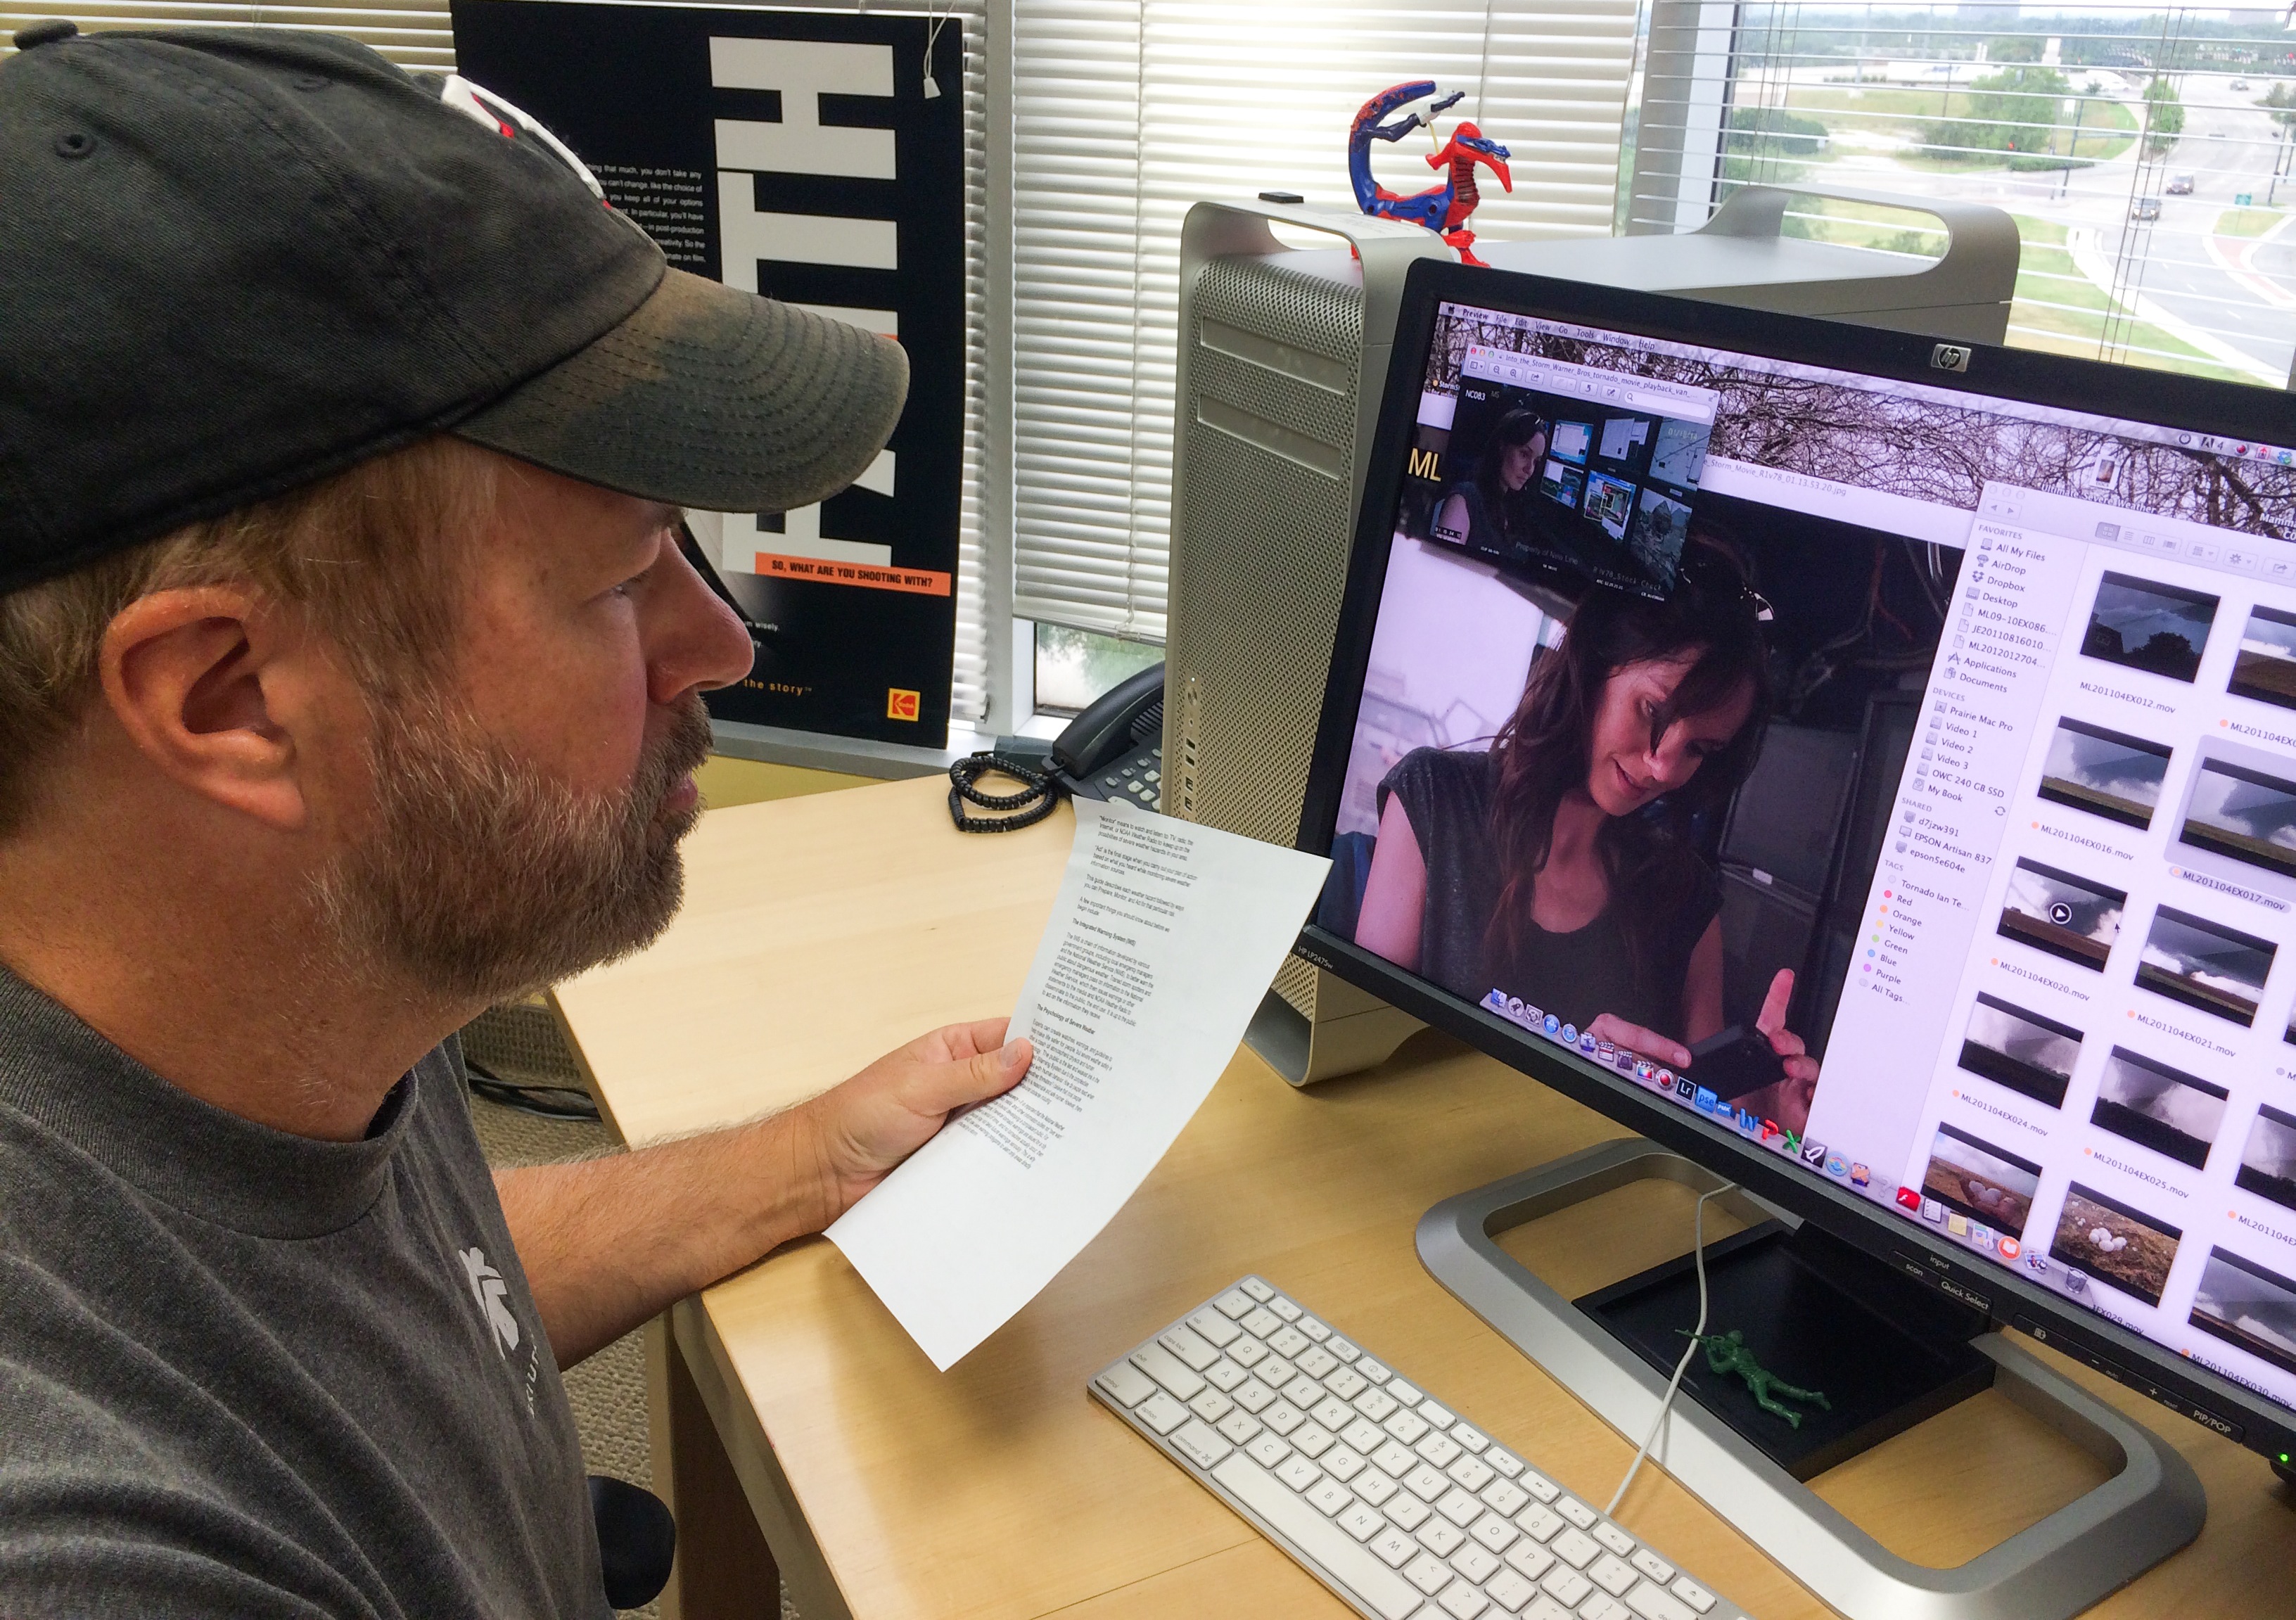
pixel 245 1373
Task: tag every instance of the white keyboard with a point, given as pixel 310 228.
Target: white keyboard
pixel 1385 1495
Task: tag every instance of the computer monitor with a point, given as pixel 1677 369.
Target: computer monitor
pixel 2017 867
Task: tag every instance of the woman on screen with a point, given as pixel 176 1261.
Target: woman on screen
pixel 1558 866
pixel 1482 511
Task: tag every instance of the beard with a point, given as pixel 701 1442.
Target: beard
pixel 483 879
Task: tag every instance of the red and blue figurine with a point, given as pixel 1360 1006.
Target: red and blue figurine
pixel 1442 209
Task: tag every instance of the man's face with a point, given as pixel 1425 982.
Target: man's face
pixel 523 821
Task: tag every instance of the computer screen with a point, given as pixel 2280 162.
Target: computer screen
pixel 1687 691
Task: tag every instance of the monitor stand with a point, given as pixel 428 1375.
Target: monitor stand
pixel 2151 1506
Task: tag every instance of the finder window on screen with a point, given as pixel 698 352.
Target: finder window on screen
pixel 1942 742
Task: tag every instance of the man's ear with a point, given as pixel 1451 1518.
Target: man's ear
pixel 204 682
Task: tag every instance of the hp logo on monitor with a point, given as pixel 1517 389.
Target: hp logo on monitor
pixel 1949 357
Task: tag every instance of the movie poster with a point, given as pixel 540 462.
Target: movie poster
pixel 796 153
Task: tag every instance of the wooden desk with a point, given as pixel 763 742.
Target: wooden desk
pixel 818 932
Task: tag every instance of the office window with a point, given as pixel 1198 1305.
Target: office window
pixel 2143 153
pixel 1126 111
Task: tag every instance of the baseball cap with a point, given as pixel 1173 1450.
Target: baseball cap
pixel 237 260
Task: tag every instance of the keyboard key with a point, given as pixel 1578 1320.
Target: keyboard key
pixel 1406 1510
pixel 1538 1523
pixel 1378 1372
pixel 1239 1427
pixel 1160 1412
pixel 1471 1474
pixel 1604 1607
pixel 1437 1415
pixel 1470 1437
pixel 1253 1395
pixel 1505 1497
pixel 1283 1417
pixel 1616 1540
pixel 1612 1573
pixel 1506 1461
pixel 1438 1449
pixel 1409 1395
pixel 1691 1592
pixel 1262 1322
pixel 1566 1585
pixel 1543 1607
pixel 1376 1404
pixel 1340 1462
pixel 1302 1392
pixel 1317 1362
pixel 1532 1558
pixel 1285 1309
pixel 1395 1548
pixel 1289 1341
pixel 1429 1573
pixel 1397 1459
pixel 1127 1385
pixel 1373 1487
pixel 1509 1591
pixel 1379 1588
pixel 1247 1352
pixel 1462 1601
pixel 1493 1532
pixel 1297 1472
pixel 1312 1439
pixel 1224 1375
pixel 1360 1522
pixel 1201 1443
pixel 1461 1508
pixel 1426 1484
pixel 1211 1406
pixel 1234 1304
pixel 1405 1426
pixel 1328 1495
pixel 1539 1484
pixel 1186 1344
pixel 1361 1432
pixel 1476 1563
pixel 1268 1449
pixel 1440 1536
pixel 1257 1290
pixel 1577 1512
pixel 1340 1348
pixel 1313 1329
pixel 1167 1369
pixel 1274 1371
pixel 1656 1567
pixel 1574 1547
pixel 1214 1328
pixel 1345 1384
pixel 1655 1602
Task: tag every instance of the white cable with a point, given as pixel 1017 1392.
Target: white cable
pixel 1698 1258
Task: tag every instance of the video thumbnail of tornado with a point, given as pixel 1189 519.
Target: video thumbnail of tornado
pixel 2205 964
pixel 2021 1049
pixel 1985 1183
pixel 2265 668
pixel 2244 1304
pixel 2165 1109
pixel 2267 1162
pixel 2248 814
pixel 2062 914
pixel 2104 772
pixel 2102 1238
pixel 2161 629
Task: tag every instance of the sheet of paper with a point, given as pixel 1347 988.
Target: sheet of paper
pixel 1163 940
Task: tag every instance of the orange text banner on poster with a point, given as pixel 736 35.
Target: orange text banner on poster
pixel 918 582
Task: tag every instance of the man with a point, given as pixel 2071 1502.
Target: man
pixel 348 683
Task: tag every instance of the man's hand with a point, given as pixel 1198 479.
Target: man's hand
pixel 876 1119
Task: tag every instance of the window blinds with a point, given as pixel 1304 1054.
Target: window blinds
pixel 419 33
pixel 1126 111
